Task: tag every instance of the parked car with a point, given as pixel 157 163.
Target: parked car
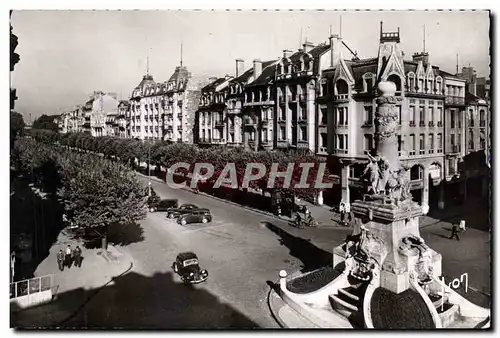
pixel 165 205
pixel 183 209
pixel 195 216
pixel 187 266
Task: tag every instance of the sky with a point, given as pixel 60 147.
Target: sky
pixel 66 55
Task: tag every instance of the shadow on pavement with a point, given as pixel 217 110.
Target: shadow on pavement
pixel 311 256
pixel 134 301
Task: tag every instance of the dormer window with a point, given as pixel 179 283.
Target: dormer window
pixel 411 82
pixel 341 87
pixel 397 81
pixel 368 82
pixel 279 69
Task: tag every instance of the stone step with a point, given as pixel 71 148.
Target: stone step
pixel 349 295
pixel 342 307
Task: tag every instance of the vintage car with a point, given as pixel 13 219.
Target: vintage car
pixel 164 205
pixel 183 209
pixel 195 216
pixel 186 265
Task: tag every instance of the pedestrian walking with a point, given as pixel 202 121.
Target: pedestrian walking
pixel 342 212
pixel 67 257
pixel 347 211
pixel 77 254
pixel 60 260
pixel 462 226
pixel 12 265
pixel 455 231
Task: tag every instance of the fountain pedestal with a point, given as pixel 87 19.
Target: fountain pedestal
pixel 391 224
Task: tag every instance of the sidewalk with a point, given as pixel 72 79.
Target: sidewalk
pixel 73 287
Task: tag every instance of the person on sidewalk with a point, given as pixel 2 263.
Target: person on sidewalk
pixel 462 226
pixel 342 212
pixel 347 218
pixel 455 231
pixel 77 254
pixel 60 260
pixel 67 257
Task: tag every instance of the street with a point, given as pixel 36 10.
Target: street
pixel 242 253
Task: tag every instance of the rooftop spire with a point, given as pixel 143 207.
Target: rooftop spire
pixel 181 53
pixel 424 38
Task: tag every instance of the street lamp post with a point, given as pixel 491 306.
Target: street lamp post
pixel 149 168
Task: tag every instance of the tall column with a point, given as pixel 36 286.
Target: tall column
pixel 344 184
pixel 441 196
pixel 425 192
pixel 387 126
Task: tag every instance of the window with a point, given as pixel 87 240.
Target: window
pixel 459 120
pixel 368 142
pixel 412 115
pixel 324 140
pixel 452 140
pixel 471 118
pixel 459 139
pixel 282 133
pixel 400 114
pixel 324 116
pixel 263 136
pixel 342 144
pixel 412 144
pixel 439 143
pixel 431 114
pixel 482 120
pixel 431 143
pixel 400 144
pixel 482 141
pixel 368 115
pixel 283 113
pixel 411 83
pixel 440 116
pixel 303 133
pixel 422 115
pixel 396 80
pixel 421 144
pixel 471 140
pixel 451 166
pixel 340 116
pixel 341 87
pixel 452 118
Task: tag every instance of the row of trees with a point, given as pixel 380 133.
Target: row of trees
pixel 166 154
pixel 96 192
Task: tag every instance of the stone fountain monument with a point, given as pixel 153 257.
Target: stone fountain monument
pixel 384 260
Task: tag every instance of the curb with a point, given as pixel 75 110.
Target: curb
pixel 154 178
pixel 95 293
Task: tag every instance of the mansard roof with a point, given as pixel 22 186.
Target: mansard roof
pixel 213 85
pixel 266 77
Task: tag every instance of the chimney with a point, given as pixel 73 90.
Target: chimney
pixel 287 53
pixel 257 68
pixel 335 45
pixel 424 57
pixel 240 67
pixel 307 46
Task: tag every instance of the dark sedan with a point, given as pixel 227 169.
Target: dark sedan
pixel 164 205
pixel 195 216
pixel 183 209
pixel 186 265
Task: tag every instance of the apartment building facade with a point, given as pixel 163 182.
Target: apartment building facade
pixel 165 111
pixel 318 100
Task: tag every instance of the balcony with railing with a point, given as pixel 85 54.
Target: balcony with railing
pixel 431 124
pixel 341 98
pixel 218 141
pixel 282 144
pixel 454 101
